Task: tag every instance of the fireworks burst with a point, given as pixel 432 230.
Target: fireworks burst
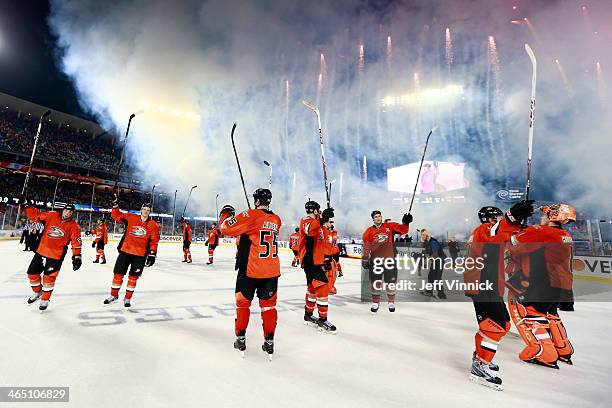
pixel 566 83
pixel 449 48
pixel 389 51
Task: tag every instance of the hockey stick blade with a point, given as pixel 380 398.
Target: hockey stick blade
pixel 310 105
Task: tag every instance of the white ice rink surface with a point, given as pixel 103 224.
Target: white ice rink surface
pixel 173 348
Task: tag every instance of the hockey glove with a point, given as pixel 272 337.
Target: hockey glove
pixel 76 262
pixel 327 263
pixel 150 259
pixel 517 283
pixel 520 211
pixel 115 201
pixel 365 263
pixel 93 244
pixel 327 214
pixel 407 219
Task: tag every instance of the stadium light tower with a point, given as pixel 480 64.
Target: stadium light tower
pixel 153 196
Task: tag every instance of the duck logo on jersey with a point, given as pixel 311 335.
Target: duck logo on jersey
pixel 381 238
pixel 138 231
pixel 55 232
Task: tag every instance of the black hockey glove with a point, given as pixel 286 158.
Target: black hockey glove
pixel 327 263
pixel 327 214
pixel 150 259
pixel 23 201
pixel 76 262
pixel 115 201
pixel 519 212
pixel 407 219
pixel 93 244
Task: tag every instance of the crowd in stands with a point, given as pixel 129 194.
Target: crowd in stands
pixel 59 143
pixel 42 188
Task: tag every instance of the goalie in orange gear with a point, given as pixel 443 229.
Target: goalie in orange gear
pixel 258 265
pixel 101 239
pixel 540 275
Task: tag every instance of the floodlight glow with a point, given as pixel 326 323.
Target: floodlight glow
pixel 427 96
pixel 177 113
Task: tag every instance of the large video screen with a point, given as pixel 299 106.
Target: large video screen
pixel 436 177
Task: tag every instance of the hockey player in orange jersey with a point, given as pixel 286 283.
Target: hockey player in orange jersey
pixel 294 246
pixel 312 247
pixel 257 264
pixel 137 249
pixel 60 230
pixel 486 247
pixel 100 240
pixel 187 235
pixel 212 242
pixel 541 275
pixel 378 247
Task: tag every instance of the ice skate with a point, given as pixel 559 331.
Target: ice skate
pixel 268 348
pixel 44 304
pixel 326 326
pixel 35 296
pixel 240 345
pixel 481 374
pixel 110 300
pixel 127 302
pixel 374 308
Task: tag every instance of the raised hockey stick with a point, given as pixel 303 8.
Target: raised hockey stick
pixel 531 116
pixel 127 132
pixel 420 167
pixel 315 109
pixel 187 202
pixel 240 169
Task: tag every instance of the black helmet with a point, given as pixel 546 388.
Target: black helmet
pixel 489 212
pixel 69 207
pixel 375 212
pixel 312 206
pixel 148 205
pixel 297 230
pixel 263 195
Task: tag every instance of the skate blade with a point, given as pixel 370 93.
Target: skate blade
pixel 310 324
pixel 267 356
pixel 483 382
pixel 328 331
pixel 566 360
pixel 540 363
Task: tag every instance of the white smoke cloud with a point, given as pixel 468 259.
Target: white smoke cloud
pixel 228 61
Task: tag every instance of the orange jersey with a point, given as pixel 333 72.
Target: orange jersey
pixel 487 244
pixel 378 242
pixel 294 241
pixel 544 252
pixel 335 247
pixel 213 237
pixel 329 241
pixel 187 233
pixel 258 251
pixel 140 238
pixel 101 234
pixel 56 235
pixel 311 242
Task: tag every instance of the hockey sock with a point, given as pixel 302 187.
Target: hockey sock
pixel 210 255
pixel 322 293
pixel 487 339
pixel 310 300
pixel 35 282
pixel 48 285
pixel 375 298
pixel 243 313
pixel 131 285
pixel 269 316
pixel 116 285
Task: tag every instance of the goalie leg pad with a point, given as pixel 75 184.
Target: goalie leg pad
pixel 534 328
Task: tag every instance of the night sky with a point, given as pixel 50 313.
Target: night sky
pixel 28 64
